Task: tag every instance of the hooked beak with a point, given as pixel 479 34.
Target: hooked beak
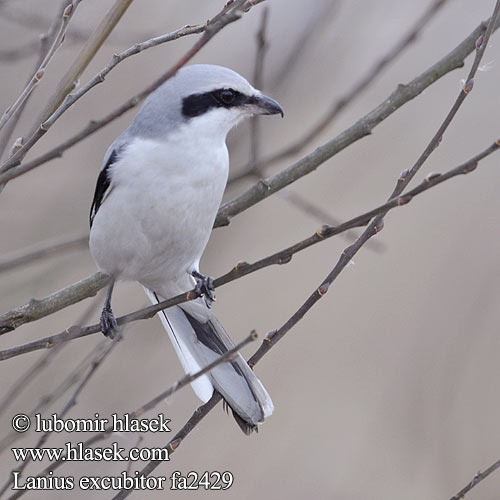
pixel 262 105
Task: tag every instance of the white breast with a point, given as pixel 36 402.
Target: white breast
pixel 164 196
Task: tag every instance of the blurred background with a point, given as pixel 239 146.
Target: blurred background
pixel 388 386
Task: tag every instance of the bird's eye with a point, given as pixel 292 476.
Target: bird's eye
pixel 227 96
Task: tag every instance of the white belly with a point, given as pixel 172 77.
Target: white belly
pixel 155 223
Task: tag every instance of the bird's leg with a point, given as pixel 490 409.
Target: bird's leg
pixel 204 286
pixel 108 323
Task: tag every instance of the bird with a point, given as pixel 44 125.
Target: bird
pixel 154 206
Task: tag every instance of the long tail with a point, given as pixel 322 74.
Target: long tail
pixel 199 339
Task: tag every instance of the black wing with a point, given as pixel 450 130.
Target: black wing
pixel 103 182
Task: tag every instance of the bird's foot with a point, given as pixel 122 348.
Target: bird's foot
pixel 108 323
pixel 204 286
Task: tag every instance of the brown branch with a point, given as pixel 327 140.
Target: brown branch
pixel 45 249
pixel 36 309
pixel 363 127
pixel 242 269
pixel 11 168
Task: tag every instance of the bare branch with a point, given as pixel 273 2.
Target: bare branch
pixel 363 127
pixel 10 320
pixel 257 81
pixel 118 58
pixel 36 309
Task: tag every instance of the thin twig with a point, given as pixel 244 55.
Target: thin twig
pixel 320 20
pixel 44 43
pixel 40 251
pixel 258 83
pixel 242 269
pixel 38 74
pixel 117 59
pixel 11 168
pixel 318 213
pixel 478 477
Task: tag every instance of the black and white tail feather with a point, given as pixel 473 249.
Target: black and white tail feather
pixel 199 339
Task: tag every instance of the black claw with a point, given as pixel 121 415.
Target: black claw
pixel 204 286
pixel 108 323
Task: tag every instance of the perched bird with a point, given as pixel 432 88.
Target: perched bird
pixel 154 207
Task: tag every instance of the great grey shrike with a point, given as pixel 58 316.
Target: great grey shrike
pixel 154 207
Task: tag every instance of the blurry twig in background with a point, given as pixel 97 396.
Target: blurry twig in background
pixel 11 168
pixel 42 250
pixel 289 195
pixel 260 54
pixel 243 269
pixel 44 43
pixel 320 20
pixel 37 22
pixel 38 74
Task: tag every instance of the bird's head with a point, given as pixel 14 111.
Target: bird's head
pixel 205 96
